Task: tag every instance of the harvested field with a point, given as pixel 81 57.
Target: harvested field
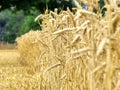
pixel 9 57
pixel 12 74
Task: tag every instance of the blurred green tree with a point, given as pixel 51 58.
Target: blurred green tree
pixel 27 5
pixel 29 24
pixel 13 24
pixel 19 15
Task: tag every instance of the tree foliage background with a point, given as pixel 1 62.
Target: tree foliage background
pixel 17 16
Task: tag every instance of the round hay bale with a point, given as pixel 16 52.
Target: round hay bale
pixel 30 48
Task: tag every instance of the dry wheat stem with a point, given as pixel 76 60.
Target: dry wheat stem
pixel 51 67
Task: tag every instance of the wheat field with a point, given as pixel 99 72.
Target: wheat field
pixel 74 51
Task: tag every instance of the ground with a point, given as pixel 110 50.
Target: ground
pixel 9 57
pixel 12 73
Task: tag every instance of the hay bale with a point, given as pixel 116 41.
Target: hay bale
pixel 30 48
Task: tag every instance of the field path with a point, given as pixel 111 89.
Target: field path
pixel 9 57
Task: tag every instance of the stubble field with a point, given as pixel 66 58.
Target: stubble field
pixel 14 76
pixel 9 57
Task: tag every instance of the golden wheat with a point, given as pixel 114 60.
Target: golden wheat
pixel 74 51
